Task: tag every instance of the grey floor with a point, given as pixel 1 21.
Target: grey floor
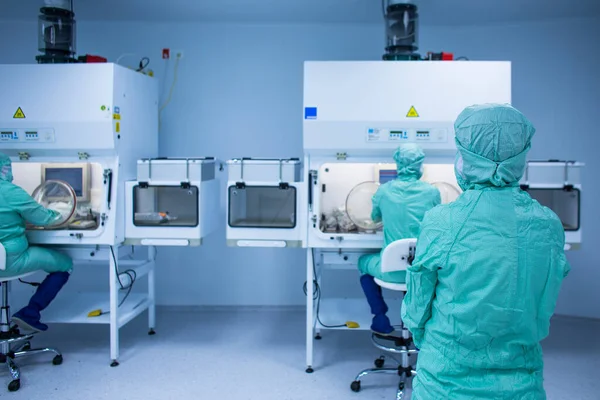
pixel 255 354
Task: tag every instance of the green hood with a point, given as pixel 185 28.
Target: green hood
pixel 409 162
pixel 493 141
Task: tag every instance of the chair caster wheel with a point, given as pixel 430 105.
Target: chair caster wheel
pixel 58 360
pixel 309 370
pixel 400 392
pixel 14 385
pixel 318 337
pixel 151 332
pixel 115 363
pixel 379 363
pixel 355 386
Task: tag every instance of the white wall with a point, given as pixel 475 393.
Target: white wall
pixel 556 83
pixel 240 94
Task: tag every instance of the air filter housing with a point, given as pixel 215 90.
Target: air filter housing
pixel 56 33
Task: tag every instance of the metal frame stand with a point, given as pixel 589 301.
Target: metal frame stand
pixel 310 311
pixel 118 320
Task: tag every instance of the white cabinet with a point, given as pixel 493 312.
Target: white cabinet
pixel 266 203
pixel 174 202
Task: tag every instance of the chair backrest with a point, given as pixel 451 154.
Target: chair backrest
pixel 2 258
pixel 398 255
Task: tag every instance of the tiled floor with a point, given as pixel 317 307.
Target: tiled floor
pixel 255 354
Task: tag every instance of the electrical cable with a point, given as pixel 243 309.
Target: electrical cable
pixel 462 59
pixel 132 276
pixel 317 296
pixel 143 64
pixel 175 70
pixel 122 56
pixel 129 272
pixel 319 318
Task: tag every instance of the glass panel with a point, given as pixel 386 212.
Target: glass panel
pixel 564 203
pixel 359 205
pixel 262 207
pixel 87 183
pixel 336 181
pixel 165 206
pixel 57 196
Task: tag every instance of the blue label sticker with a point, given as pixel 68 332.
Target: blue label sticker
pixel 310 112
pixel 117 110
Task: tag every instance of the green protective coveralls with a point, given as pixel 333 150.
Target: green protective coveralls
pixel 17 208
pixel 487 272
pixel 401 204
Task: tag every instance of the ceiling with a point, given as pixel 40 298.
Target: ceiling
pixel 432 12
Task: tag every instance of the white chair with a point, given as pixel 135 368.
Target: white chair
pixel 396 257
pixel 13 344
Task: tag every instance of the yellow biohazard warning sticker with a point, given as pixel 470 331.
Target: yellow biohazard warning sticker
pixel 116 116
pixel 412 113
pixel 19 114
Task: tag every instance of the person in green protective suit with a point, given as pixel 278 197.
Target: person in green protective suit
pixel 487 272
pixel 16 209
pixel 401 205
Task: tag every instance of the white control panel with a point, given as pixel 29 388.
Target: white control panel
pixel 368 108
pixel 382 135
pixel 27 135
